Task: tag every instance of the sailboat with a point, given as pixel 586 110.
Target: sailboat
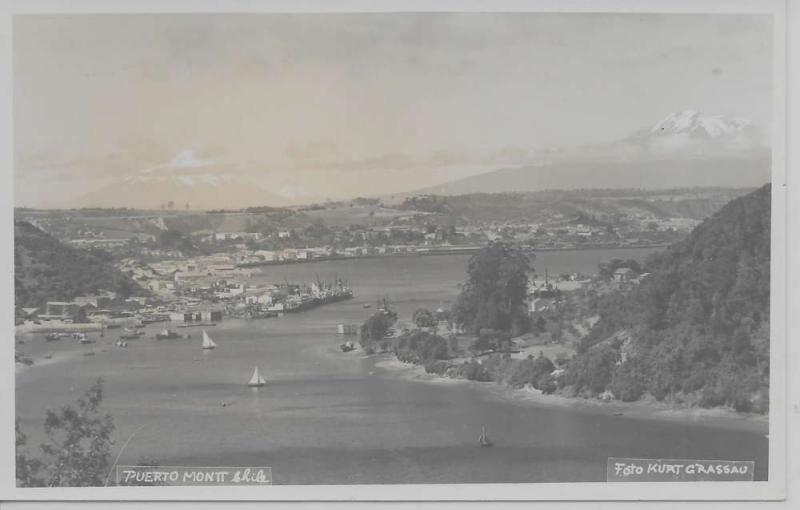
pixel 484 440
pixel 256 381
pixel 208 343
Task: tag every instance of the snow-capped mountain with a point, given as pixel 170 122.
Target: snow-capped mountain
pixel 687 148
pixel 186 179
pixel 694 131
pixel 696 124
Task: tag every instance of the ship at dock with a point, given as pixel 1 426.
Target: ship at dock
pixel 317 294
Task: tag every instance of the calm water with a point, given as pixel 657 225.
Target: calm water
pixel 330 417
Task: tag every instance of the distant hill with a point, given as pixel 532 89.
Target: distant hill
pixel 152 192
pixel 697 329
pixel 610 206
pixel 751 170
pixel 47 270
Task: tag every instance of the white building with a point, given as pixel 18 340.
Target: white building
pixel 266 255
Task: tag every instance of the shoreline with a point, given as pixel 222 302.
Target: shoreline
pixel 467 250
pixel 641 410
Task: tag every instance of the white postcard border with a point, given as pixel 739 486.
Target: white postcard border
pixel 773 489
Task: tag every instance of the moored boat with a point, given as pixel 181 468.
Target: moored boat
pixel 168 334
pixel 82 338
pixel 131 334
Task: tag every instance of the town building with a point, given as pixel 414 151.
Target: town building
pixel 624 274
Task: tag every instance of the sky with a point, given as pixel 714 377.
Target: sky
pixel 312 106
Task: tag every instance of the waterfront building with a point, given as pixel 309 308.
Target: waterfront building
pixel 232 236
pixel 266 255
pixel 624 274
pixel 183 276
pixel 197 315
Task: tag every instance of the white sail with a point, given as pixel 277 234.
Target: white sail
pixel 256 380
pixel 208 343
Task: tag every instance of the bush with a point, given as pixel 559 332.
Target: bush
pixel 474 371
pixel 628 382
pixel 420 346
pixel 547 384
pixel 530 371
pixel 438 367
pixel 423 318
pixel 592 371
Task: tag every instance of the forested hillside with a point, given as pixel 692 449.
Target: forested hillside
pixel 45 269
pixel 696 330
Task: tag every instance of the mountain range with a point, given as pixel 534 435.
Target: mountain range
pixel 684 149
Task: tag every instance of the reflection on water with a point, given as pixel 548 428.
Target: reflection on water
pixel 329 417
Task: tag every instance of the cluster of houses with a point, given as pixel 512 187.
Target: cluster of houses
pixel 220 280
pixel 104 307
pixel 546 295
pixel 233 263
pixel 92 239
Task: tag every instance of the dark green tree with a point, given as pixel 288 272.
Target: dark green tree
pixel 78 445
pixel 495 293
pixel 375 328
pixel 28 469
pixel 77 452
